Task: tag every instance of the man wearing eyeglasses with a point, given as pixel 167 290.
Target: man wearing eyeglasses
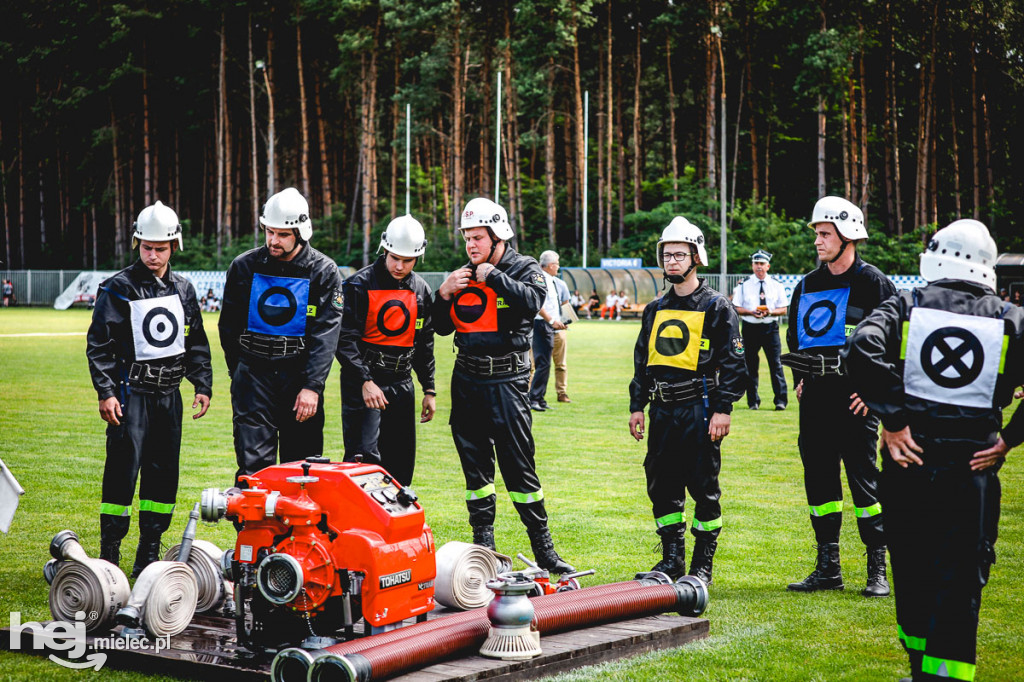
pixel 760 300
pixel 688 365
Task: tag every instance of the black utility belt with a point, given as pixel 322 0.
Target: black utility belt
pixel 148 376
pixel 682 391
pixel 399 363
pixel 494 365
pixel 272 347
pixel 815 365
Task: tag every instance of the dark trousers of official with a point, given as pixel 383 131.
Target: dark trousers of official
pixel 262 398
pixel 491 419
pixel 386 437
pixel 146 442
pixel 766 336
pixel 543 345
pixel 941 523
pixel 829 434
pixel 682 457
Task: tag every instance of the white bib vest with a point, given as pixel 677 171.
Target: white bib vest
pixel 158 327
pixel 951 358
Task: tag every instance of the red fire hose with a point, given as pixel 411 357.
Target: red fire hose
pixel 382 656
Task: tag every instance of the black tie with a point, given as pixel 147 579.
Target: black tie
pixel 761 297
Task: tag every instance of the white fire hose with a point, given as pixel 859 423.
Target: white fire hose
pixel 94 587
pixel 204 560
pixel 463 571
pixel 163 600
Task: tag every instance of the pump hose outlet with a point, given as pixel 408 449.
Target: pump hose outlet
pixel 163 600
pixel 94 587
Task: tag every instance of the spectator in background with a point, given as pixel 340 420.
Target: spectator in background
pixel 1015 298
pixel 8 293
pixel 577 302
pixel 558 353
pixel 547 321
pixel 611 304
pixel 210 302
pixel 623 304
pixel 1004 295
pixel 593 303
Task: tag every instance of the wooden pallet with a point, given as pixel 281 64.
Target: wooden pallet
pixel 207 650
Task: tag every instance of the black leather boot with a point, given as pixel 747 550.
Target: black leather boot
pixel 827 574
pixel 112 531
pixel 877 585
pixel 111 551
pixel 484 536
pixel 703 555
pixel 544 551
pixel 673 551
pixel 147 553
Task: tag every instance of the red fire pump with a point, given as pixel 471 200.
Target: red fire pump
pixel 319 544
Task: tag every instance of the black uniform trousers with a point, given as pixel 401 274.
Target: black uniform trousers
pixel 543 346
pixel 941 522
pixel 681 456
pixel 766 336
pixel 262 397
pixel 386 437
pixel 830 433
pixel 491 418
pixel 147 441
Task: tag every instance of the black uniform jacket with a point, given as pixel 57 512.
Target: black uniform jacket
pixel 110 342
pixel 720 348
pixel 363 321
pixel 868 288
pixel 496 319
pixel 323 318
pixel 873 358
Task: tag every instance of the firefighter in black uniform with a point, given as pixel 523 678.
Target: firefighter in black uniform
pixel 938 365
pixel 490 305
pixel 688 364
pixel 385 333
pixel 146 336
pixel 279 329
pixel 834 421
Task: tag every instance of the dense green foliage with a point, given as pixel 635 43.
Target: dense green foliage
pixel 110 106
pixel 591 470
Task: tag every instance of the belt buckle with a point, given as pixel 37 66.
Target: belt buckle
pixel 659 387
pixel 134 372
pixel 490 365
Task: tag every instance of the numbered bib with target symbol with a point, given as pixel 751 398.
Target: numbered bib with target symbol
pixel 475 309
pixel 277 305
pixel 676 339
pixel 951 358
pixel 158 327
pixel 391 318
pixel 821 318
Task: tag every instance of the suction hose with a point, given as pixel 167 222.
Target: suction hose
pixel 463 571
pixel 417 645
pixel 94 587
pixel 163 600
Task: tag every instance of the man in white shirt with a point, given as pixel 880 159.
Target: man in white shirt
pixel 561 346
pixel 759 299
pixel 545 324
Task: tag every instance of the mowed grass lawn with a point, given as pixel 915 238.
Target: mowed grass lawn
pixel 51 436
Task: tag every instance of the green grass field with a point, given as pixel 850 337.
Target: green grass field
pixel 51 436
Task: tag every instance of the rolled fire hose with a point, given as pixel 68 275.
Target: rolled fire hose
pixel 463 571
pixel 204 560
pixel 389 654
pixel 163 600
pixel 94 587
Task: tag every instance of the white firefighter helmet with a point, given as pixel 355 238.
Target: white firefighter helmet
pixel 482 212
pixel 962 250
pixel 404 237
pixel 157 223
pixel 681 230
pixel 288 209
pixel 845 215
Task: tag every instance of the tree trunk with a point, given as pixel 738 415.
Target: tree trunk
pixel 511 138
pixel 601 119
pixel 549 152
pixel 325 174
pixel 118 224
pixel 638 160
pixel 894 141
pixel 609 132
pixel 3 200
pixel 147 185
pixel 672 145
pixel 954 148
pixel 990 189
pixel 458 105
pixel 486 110
pixel 395 135
pixel 577 90
pixel 864 173
pixel 221 116
pixel 822 184
pixel 847 128
pixel 303 118
pixel 710 109
pixel 621 167
pixel 369 143
pixel 975 146
pixel 253 172
pixel 755 163
pixel 271 142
